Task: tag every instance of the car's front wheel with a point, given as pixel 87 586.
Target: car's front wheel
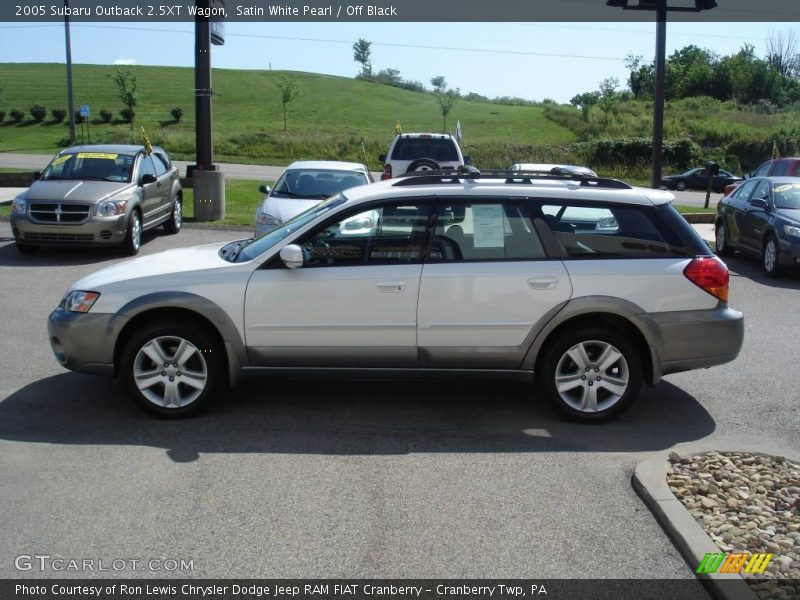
pixel 770 257
pixel 171 368
pixel 723 246
pixel 133 240
pixel 591 375
pixel 680 186
pixel 173 224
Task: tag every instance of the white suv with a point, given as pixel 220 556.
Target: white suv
pixel 416 152
pixel 586 286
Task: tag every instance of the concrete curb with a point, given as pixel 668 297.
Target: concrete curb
pixel 708 217
pixel 650 483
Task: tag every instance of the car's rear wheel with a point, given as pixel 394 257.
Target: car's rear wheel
pixel 721 235
pixel 770 257
pixel 27 248
pixel 423 164
pixel 680 186
pixel 173 224
pixel 133 240
pixel 591 375
pixel 171 369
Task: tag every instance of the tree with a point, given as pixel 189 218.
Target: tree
pixel 289 91
pixel 439 83
pixel 584 101
pixel 607 95
pixel 126 91
pixel 642 78
pixel 782 53
pixel 362 50
pixel 446 99
pixel 177 113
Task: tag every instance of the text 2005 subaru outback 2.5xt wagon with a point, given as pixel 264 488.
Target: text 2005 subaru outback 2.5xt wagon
pixel 585 286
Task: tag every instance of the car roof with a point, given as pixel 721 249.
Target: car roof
pixel 118 148
pixel 441 136
pixel 331 165
pixel 549 167
pixel 543 188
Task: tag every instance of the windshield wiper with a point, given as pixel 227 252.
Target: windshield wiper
pixel 230 251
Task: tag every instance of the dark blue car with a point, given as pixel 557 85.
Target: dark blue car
pixel 762 216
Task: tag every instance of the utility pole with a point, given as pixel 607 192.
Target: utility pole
pixel 70 102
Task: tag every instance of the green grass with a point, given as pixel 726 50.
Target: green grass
pixel 329 119
pixel 241 200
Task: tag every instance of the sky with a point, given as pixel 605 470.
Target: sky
pixel 528 60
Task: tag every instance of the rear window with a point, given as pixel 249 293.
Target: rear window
pixel 437 149
pixel 603 231
pixel 316 183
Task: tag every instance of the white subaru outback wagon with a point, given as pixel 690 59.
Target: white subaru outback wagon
pixel 584 286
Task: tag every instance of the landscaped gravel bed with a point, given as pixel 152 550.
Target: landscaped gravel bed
pixel 746 503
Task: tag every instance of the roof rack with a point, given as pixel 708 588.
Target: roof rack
pixel 455 176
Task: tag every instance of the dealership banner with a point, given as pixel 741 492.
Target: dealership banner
pixel 744 11
pixel 360 589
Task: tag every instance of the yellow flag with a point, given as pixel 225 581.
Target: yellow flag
pixel 397 129
pixel 776 153
pixel 148 147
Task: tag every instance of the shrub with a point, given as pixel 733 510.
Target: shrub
pixel 128 114
pixel 59 114
pixel 106 116
pixel 38 112
pixel 2 116
pixel 177 113
pixel 16 115
pixel 78 117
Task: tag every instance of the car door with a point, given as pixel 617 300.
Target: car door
pixel 152 193
pixel 486 285
pixel 735 207
pixel 165 176
pixel 697 179
pixel 755 218
pixel 353 303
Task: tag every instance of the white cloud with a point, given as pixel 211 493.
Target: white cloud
pixel 124 61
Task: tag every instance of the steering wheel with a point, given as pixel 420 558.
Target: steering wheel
pixel 310 254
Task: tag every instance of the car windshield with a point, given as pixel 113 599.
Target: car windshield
pixel 415 148
pixel 263 243
pixel 97 166
pixel 787 195
pixel 316 183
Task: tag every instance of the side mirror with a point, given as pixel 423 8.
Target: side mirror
pixel 292 256
pixel 147 178
pixel 759 203
pixel 382 157
pixel 264 189
pixel 37 175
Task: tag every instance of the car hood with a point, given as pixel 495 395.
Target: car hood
pixel 72 190
pixel 170 262
pixel 790 214
pixel 288 208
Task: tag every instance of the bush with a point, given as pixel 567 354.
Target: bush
pixel 38 112
pixel 128 114
pixel 78 117
pixel 59 114
pixel 2 116
pixel 106 116
pixel 16 116
pixel 177 113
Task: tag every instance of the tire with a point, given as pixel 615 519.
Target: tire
pixel 423 164
pixel 771 257
pixel 680 186
pixel 721 237
pixel 171 369
pixel 27 248
pixel 173 224
pixel 574 361
pixel 133 240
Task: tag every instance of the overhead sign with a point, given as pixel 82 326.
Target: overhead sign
pixel 217 24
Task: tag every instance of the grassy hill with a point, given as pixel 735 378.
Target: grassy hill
pixel 329 119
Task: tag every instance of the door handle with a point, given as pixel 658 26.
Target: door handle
pixel 543 282
pixel 391 286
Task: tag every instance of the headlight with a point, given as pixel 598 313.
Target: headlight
pixel 267 219
pixel 79 301
pixel 19 205
pixel 791 230
pixel 111 208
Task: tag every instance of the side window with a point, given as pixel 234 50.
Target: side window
pixel 603 231
pixel 484 231
pixel 146 167
pixel 763 169
pixel 761 192
pixel 388 234
pixel 743 191
pixel 160 163
pixel 780 168
pixel 795 170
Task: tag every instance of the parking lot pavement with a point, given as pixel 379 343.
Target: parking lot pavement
pixel 356 478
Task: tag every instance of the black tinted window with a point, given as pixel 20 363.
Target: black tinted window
pixel 603 231
pixel 415 148
pixel 780 168
pixel 161 163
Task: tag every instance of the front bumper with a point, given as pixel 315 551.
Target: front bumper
pixel 789 250
pixel 84 342
pixel 697 339
pixel 94 231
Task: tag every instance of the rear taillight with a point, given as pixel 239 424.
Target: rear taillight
pixel 387 171
pixel 710 274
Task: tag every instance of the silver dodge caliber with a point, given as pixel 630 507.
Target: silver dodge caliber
pixel 99 195
pixel 586 287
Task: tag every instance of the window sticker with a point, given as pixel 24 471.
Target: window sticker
pixel 488 225
pixel 61 159
pixel 786 187
pixel 102 155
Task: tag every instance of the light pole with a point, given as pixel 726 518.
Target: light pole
pixel 661 9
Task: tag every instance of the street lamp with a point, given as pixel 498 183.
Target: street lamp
pixel 661 8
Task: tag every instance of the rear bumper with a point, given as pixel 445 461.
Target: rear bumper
pixel 686 340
